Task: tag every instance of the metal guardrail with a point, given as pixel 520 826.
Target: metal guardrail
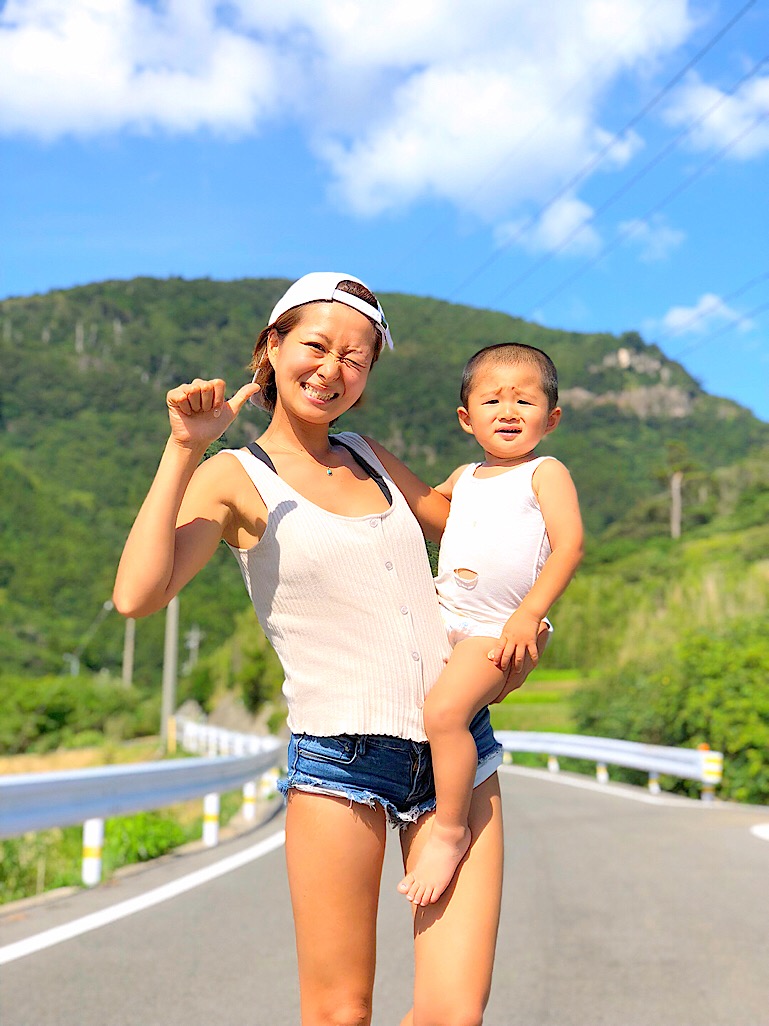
pixel 39 801
pixel 700 764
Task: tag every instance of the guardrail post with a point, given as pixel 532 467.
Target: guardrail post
pixel 552 764
pixel 268 783
pixel 249 801
pixel 93 843
pixel 601 773
pixel 211 820
pixel 654 782
pixel 712 771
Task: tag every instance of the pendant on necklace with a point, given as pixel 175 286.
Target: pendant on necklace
pixel 328 471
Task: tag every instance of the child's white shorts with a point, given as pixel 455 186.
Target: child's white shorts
pixel 460 627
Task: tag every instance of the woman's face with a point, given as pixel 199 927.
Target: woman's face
pixel 321 366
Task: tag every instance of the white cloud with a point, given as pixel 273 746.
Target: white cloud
pixel 563 226
pixel 655 237
pixel 708 312
pixel 490 105
pixel 734 115
pixel 90 66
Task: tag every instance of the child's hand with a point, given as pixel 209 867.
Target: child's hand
pixel 519 636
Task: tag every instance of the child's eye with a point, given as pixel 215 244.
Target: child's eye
pixel 491 402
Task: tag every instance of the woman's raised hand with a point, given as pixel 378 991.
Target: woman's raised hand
pixel 199 412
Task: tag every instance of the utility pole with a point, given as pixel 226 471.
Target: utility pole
pixel 170 660
pixel 129 644
pixel 192 640
pixel 676 480
pixel 73 658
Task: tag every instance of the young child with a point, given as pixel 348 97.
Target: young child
pixel 512 543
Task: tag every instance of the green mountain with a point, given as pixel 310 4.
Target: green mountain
pixel 82 423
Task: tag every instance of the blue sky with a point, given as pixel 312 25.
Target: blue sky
pixel 590 164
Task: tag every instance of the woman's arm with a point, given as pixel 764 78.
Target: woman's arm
pixel 186 510
pixel 428 505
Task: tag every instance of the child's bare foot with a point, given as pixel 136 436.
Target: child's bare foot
pixel 444 850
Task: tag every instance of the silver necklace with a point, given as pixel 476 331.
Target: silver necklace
pixel 302 452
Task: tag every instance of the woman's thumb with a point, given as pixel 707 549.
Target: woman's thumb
pixel 242 396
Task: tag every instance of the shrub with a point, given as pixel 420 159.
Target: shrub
pixel 711 688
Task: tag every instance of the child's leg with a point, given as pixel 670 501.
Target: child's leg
pixel 468 683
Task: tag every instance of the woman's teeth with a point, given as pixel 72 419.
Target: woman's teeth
pixel 317 394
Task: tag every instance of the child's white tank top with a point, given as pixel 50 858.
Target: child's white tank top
pixel 495 530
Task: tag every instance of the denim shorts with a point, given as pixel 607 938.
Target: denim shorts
pixel 375 769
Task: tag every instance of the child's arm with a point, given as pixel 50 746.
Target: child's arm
pixel 558 501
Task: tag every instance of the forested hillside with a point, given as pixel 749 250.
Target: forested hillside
pixel 82 422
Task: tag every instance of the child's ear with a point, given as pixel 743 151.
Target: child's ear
pixel 464 420
pixel 552 419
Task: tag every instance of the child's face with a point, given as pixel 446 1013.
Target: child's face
pixel 507 412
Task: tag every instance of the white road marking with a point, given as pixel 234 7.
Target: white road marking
pixel 85 924
pixel 761 830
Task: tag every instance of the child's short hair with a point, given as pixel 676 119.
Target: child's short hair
pixel 511 353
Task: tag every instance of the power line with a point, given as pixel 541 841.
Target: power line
pixel 623 189
pixel 594 161
pixel 687 324
pixel 522 141
pixel 721 331
pixel 626 233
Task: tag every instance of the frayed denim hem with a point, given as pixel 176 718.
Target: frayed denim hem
pixel 488 765
pixel 360 796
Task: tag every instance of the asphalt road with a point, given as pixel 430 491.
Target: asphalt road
pixel 618 910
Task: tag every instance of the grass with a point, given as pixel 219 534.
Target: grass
pixel 543 703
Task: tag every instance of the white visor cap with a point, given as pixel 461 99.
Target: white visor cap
pixel 321 286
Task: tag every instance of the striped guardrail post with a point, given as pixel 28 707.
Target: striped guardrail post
pixel 211 820
pixel 268 783
pixel 654 782
pixel 601 773
pixel 249 801
pixel 552 764
pixel 93 845
pixel 712 771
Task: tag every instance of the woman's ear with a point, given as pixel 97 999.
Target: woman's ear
pixel 273 342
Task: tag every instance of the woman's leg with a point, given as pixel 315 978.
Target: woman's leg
pixel 455 938
pixel 468 683
pixel 334 853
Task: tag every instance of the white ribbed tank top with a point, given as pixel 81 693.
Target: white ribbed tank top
pixel 496 529
pixel 348 604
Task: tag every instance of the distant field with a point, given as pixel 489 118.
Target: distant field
pixel 543 703
pixel 143 750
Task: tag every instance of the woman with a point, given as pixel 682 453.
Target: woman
pixel 328 534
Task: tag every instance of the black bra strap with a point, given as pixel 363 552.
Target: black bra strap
pixel 372 473
pixel 376 477
pixel 258 451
